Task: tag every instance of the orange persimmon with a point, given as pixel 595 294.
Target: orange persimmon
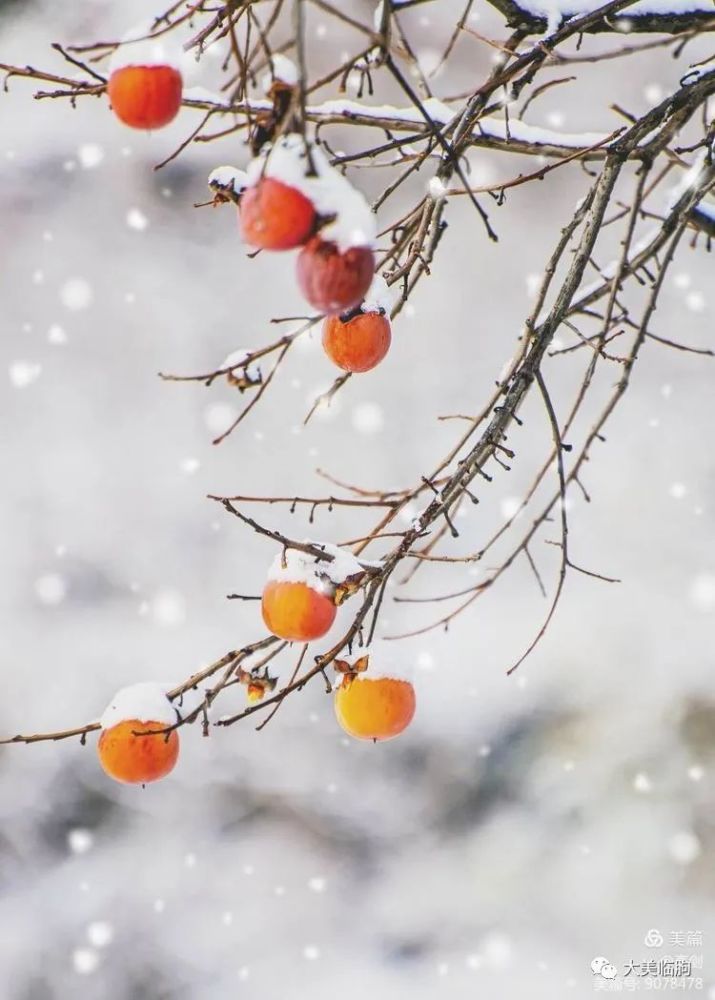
pixel 275 216
pixel 357 343
pixel 293 610
pixel 377 708
pixel 334 281
pixel 136 759
pixel 145 97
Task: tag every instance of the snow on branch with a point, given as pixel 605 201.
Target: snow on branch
pixel 669 16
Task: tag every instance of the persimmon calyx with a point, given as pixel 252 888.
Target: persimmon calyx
pixel 257 685
pixel 224 194
pixel 350 671
pixel 242 379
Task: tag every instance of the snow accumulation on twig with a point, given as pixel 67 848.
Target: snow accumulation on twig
pixel 555 12
pixel 443 114
pixel 516 131
pixel 228 177
pixel 295 566
pixel 699 71
pixel 642 8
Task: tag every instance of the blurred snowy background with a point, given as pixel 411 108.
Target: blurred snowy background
pixel 523 825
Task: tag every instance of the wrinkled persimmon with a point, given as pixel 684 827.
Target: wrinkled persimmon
pixel 127 756
pixel 275 216
pixel 357 343
pixel 332 280
pixel 375 709
pixel 145 97
pixel 293 610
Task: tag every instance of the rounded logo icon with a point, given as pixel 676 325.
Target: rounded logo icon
pixel 602 967
pixel 653 939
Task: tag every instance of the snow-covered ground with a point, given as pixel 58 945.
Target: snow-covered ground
pixel 523 825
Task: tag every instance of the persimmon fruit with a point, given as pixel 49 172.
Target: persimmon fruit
pixel 357 343
pixel 275 216
pixel 332 280
pixel 145 97
pixel 296 611
pixel 127 756
pixel 375 709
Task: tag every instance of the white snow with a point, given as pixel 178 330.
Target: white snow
pixel 497 949
pixel 301 567
pixel 436 110
pixel 294 566
pixel 436 188
pixel 80 840
pixel 76 294
pixel 684 847
pixel 218 417
pixel 555 11
pixel 135 49
pixel 642 783
pixel 189 465
pixel 51 589
pixel 85 960
pixel 702 592
pixel 236 359
pixel 697 72
pixel 380 296
pixel 331 193
pixel 137 220
pixel 187 702
pixel 24 373
pixel 204 95
pixel 100 933
pixel 688 181
pixel 534 135
pixel 510 507
pixel 441 114
pixel 168 608
pixel 695 301
pixel 375 672
pixel 554 15
pixel 145 702
pixel 377 16
pixel 368 418
pixel 326 407
pixel 90 155
pixel 228 177
pixel 282 69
